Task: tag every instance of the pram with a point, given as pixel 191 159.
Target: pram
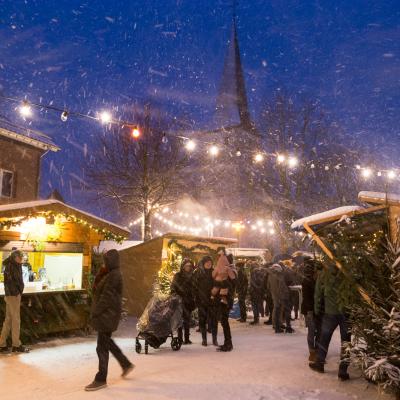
pixel 160 319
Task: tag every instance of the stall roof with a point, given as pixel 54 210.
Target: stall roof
pixel 326 216
pixel 214 239
pixel 36 207
pixel 379 198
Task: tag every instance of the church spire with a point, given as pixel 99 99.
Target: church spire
pixel 232 106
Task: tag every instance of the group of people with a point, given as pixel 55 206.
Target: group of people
pixel 211 290
pixel 268 286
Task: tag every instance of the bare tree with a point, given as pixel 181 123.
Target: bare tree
pixel 142 174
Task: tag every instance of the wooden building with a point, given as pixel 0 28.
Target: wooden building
pixel 21 152
pixel 140 264
pixel 57 242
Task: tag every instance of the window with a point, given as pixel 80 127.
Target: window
pixel 6 183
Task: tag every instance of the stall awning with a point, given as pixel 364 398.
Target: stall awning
pixel 43 207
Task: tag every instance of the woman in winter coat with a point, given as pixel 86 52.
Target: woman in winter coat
pixel 182 285
pixel 203 284
pixel 105 317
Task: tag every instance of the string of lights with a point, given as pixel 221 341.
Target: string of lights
pixel 289 161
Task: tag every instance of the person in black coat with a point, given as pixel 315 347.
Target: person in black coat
pixel 241 290
pixel 313 322
pixel 203 284
pixel 105 317
pixel 182 285
pixel 257 289
pixel 13 288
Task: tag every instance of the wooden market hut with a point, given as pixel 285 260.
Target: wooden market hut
pixel 57 241
pixel 140 264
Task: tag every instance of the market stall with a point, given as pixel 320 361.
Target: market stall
pixel 56 241
pixel 156 261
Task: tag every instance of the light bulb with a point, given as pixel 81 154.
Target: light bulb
pixel 190 145
pixel 105 117
pixel 281 158
pixel 391 175
pixel 366 172
pixel 25 110
pixel 214 150
pixel 292 162
pixel 135 132
pixel 258 157
pixel 64 116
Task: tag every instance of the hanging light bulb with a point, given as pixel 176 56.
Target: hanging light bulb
pixel 258 157
pixel 238 153
pixel 366 173
pixel 292 162
pixel 164 139
pixel 64 116
pixel 214 150
pixel 25 109
pixel 105 117
pixel 280 158
pixel 190 145
pixel 391 174
pixel 135 132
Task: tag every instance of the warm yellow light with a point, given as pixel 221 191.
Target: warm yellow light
pixel 190 145
pixel 292 162
pixel 391 175
pixel 281 158
pixel 135 132
pixel 258 157
pixel 214 150
pixel 366 173
pixel 25 110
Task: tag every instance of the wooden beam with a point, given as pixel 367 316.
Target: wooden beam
pixel 339 266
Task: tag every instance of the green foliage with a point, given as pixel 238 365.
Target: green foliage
pixel 165 276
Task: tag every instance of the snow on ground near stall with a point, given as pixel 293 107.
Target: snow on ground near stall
pixel 326 214
pixel 263 366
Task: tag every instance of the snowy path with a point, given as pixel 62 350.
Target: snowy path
pixel 263 366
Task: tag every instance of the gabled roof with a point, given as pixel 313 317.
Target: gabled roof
pixel 26 135
pixel 15 210
pixel 379 198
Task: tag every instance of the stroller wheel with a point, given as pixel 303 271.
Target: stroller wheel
pixel 176 344
pixel 138 347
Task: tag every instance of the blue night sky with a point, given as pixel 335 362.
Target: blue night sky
pixel 92 55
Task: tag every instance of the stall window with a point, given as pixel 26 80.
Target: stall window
pixel 6 183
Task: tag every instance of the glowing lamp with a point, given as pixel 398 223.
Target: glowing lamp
pixel 258 157
pixel 280 158
pixel 391 174
pixel 25 110
pixel 292 162
pixel 366 173
pixel 135 132
pixel 214 150
pixel 190 145
pixel 105 117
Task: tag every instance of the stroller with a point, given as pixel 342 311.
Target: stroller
pixel 160 319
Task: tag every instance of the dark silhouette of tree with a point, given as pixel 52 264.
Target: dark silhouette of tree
pixel 142 174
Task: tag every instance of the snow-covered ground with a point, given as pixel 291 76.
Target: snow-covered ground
pixel 263 366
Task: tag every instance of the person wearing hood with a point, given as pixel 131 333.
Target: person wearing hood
pixel 280 296
pixel 105 316
pixel 203 284
pixel 182 285
pixel 257 289
pixel 13 287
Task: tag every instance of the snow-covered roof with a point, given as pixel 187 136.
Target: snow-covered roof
pixel 336 212
pixel 379 197
pixel 26 135
pixel 106 245
pixel 14 210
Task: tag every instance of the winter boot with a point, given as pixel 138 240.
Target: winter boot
pixel 313 356
pixel 214 341
pixel 226 347
pixel 20 349
pixel 343 375
pixel 317 366
pixel 289 329
pixel 187 340
pixel 95 385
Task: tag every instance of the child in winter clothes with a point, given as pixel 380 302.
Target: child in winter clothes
pixel 221 274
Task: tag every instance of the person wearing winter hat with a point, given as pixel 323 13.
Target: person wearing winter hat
pixel 105 317
pixel 182 285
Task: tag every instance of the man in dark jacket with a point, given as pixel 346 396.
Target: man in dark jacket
pixel 203 283
pixel 182 285
pixel 241 289
pixel 307 306
pixel 105 317
pixel 13 287
pixel 257 278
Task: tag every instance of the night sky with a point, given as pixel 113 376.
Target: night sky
pixel 93 55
